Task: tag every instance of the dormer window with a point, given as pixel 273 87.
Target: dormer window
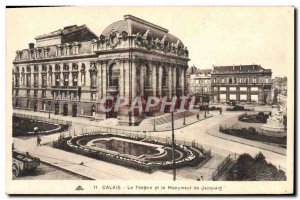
pixel 46 52
pixel 94 45
pixel 18 55
pixel 75 48
pixel 67 49
pixel 37 54
pixel 58 50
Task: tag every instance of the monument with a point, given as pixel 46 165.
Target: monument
pixel 275 123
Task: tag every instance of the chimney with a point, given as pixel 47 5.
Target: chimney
pixel 31 45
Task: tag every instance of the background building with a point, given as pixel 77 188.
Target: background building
pixel 70 70
pixel 242 83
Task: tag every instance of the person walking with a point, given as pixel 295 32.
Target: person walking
pixel 220 111
pixel 38 141
pixel 197 116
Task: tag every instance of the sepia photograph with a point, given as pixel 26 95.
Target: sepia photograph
pixel 150 100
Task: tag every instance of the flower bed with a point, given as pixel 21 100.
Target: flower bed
pixel 185 156
pixel 252 134
pixel 25 127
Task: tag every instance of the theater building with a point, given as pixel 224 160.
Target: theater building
pixel 68 71
pixel 241 83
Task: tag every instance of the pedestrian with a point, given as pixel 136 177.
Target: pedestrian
pixel 38 141
pixel 220 111
pixel 197 116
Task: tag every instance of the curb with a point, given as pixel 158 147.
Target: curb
pixel 66 170
pixel 207 132
pixel 185 125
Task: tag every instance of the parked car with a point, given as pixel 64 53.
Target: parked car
pixel 23 163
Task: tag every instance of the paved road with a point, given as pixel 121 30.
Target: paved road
pixel 48 172
pixel 221 146
pixel 197 132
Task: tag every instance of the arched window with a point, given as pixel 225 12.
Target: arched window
pixel 57 67
pixel 75 79
pixel 36 68
pixel 93 80
pixel 50 68
pixel 114 74
pixel 82 77
pixel 66 67
pixel 44 68
pixel 165 77
pixel 74 66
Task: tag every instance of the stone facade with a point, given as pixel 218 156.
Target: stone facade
pixel 71 70
pixel 241 83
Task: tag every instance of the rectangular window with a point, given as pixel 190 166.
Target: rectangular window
pixel 254 88
pixel 35 93
pixel 266 80
pixel 232 96
pixel 93 95
pixel 232 88
pixel 243 88
pixel 43 94
pixel 28 93
pixel 223 80
pixel 222 88
pixel 222 97
pixel 243 97
pixel 254 98
pixel 17 92
pixel 45 54
pixel 254 80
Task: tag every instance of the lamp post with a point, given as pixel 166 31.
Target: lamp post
pixel 184 118
pixel 49 104
pixel 173 147
pixel 154 122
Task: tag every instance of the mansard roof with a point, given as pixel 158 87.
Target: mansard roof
pixel 133 25
pixel 239 68
pixel 71 33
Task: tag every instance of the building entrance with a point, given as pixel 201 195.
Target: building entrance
pixel 65 113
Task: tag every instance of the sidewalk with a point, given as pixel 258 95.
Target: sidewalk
pixel 214 131
pixel 145 125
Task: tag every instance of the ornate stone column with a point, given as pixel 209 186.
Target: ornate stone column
pixel 126 78
pixel 104 78
pixel 160 80
pixel 182 80
pixel 154 79
pixel 133 80
pixel 170 81
pixel 174 79
pixel 121 78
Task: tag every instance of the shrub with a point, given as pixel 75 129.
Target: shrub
pixel 251 131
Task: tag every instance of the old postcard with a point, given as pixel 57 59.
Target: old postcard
pixel 150 100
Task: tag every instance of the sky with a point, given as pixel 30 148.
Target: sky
pixel 213 35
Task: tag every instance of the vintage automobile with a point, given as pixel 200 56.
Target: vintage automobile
pixel 23 163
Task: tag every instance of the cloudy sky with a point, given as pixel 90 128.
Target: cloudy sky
pixel 213 35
